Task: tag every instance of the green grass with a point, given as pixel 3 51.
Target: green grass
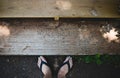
pixel 99 59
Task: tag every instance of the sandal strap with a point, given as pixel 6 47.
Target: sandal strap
pixel 68 63
pixel 42 63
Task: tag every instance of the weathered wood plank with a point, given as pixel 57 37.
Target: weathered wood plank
pixel 59 8
pixel 40 37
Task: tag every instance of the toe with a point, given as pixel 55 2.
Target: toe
pixel 71 62
pixel 67 58
pixel 43 59
pixel 39 62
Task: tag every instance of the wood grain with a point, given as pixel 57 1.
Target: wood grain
pixel 59 8
pixel 40 37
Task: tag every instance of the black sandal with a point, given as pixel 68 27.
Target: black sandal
pixel 68 64
pixel 43 63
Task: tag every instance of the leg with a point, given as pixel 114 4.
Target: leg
pixel 42 64
pixel 67 65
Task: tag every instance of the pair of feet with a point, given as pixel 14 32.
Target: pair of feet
pixel 45 69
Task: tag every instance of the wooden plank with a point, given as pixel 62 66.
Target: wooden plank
pixel 40 37
pixel 59 8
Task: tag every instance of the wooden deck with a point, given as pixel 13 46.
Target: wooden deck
pixel 59 9
pixel 48 37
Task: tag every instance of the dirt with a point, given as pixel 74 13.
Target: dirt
pixel 26 67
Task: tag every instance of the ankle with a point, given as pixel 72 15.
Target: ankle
pixel 48 75
pixel 61 76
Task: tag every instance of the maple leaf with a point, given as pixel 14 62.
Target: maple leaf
pixel 111 35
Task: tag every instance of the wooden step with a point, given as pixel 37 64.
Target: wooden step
pixel 59 9
pixel 48 37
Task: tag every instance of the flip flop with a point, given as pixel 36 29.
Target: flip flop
pixel 43 62
pixel 67 63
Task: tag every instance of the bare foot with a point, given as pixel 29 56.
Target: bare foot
pixel 67 65
pixel 42 64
